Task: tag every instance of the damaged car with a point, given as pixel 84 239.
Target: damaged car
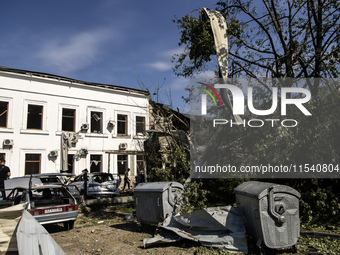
pixel 48 203
pixel 98 184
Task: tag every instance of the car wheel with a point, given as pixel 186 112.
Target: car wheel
pixel 68 225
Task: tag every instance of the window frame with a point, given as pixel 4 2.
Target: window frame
pixel 9 116
pixel 93 112
pixel 88 121
pixel 25 162
pixel 5 112
pixel 64 119
pixel 126 121
pixel 125 161
pixel 60 117
pixel 70 157
pixel 3 155
pixel 101 162
pixel 44 117
pixel 137 123
pixel 140 162
pixel 31 121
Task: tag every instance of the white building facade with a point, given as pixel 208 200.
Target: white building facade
pixel 101 125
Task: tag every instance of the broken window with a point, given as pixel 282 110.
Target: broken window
pixel 70 163
pixel 140 125
pixel 140 163
pixel 122 124
pixel 122 161
pixel 95 163
pixel 3 114
pixel 32 163
pixel 34 116
pixel 68 120
pixel 96 122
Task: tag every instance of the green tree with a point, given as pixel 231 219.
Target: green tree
pixel 268 38
pixel 277 39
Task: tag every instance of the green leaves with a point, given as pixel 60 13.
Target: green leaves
pixel 197 37
pixel 267 38
pixel 194 197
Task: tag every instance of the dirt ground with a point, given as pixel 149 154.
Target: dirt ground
pixel 104 230
pixel 111 239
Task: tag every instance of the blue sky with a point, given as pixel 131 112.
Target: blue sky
pixel 113 42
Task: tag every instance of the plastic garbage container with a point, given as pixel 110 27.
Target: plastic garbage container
pixel 270 212
pixel 155 200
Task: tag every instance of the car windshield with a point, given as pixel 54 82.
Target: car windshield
pixel 102 178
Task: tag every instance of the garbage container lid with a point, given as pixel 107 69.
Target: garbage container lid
pixel 157 186
pixel 261 189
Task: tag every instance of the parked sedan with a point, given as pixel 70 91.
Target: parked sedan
pixel 98 184
pixel 47 203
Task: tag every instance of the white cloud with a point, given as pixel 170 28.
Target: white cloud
pixel 209 74
pixel 75 52
pixel 164 63
pixel 160 65
pixel 172 52
pixel 179 83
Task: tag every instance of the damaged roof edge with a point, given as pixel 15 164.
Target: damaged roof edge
pixel 66 79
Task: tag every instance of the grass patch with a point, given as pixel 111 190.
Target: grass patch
pixel 323 245
pixel 331 228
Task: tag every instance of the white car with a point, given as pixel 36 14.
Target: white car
pixel 48 203
pixel 98 184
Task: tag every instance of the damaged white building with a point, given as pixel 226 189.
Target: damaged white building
pixel 50 123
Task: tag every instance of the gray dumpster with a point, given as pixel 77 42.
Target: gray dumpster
pixel 155 200
pixel 270 212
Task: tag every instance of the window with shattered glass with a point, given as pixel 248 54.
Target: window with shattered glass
pixel 96 163
pixel 35 117
pixel 140 125
pixel 3 114
pixel 68 120
pixel 122 124
pixel 32 163
pixel 97 122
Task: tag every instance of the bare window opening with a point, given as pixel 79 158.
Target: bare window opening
pixel 32 163
pixel 3 114
pixel 34 116
pixel 140 125
pixel 96 163
pixel 140 163
pixel 122 161
pixel 70 163
pixel 68 120
pixel 122 124
pixel 3 156
pixel 96 122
